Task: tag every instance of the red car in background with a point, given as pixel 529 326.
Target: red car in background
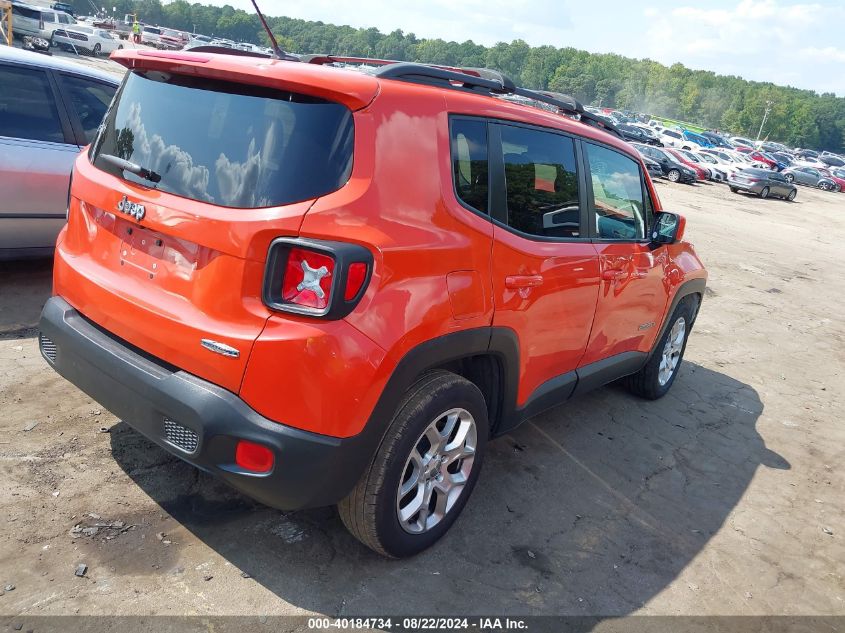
pixel 836 177
pixel 758 157
pixel 700 172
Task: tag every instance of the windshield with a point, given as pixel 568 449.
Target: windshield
pixel 233 145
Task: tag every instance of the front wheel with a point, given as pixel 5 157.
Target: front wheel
pixel 656 377
pixel 674 175
pixel 97 49
pixel 734 189
pixel 423 473
pixel 825 186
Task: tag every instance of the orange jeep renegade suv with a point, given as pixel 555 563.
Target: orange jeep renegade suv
pixel 333 286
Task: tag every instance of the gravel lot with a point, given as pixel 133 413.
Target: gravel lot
pixel 723 498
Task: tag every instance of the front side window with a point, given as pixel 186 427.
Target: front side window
pixel 469 162
pixel 619 206
pixel 542 183
pixel 233 145
pixel 27 107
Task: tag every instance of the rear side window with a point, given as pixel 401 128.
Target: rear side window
pixel 542 182
pixel 469 162
pixel 233 145
pixel 90 100
pixel 27 106
pixel 618 201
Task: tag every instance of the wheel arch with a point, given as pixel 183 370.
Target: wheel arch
pixel 692 290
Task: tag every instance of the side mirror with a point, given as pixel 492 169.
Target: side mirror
pixel 668 228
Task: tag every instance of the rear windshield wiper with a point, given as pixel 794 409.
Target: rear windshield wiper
pixel 125 165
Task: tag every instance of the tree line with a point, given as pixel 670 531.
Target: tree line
pixel 799 118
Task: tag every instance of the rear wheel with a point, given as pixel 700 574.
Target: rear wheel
pixel 791 195
pixel 424 471
pixel 764 193
pixel 734 189
pixel 789 178
pixel 674 175
pixel 654 380
pixel 825 186
pixel 97 49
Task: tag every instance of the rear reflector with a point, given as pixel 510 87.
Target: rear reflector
pixel 254 457
pixel 354 280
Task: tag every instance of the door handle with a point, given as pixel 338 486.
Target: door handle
pixel 612 274
pixel 523 281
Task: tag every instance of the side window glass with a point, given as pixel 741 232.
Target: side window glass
pixel 90 100
pixel 27 107
pixel 619 207
pixel 469 162
pixel 542 182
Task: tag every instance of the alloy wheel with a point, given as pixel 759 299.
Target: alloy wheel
pixel 672 350
pixel 436 471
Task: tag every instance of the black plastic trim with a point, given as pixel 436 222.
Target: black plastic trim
pixel 343 253
pixel 691 287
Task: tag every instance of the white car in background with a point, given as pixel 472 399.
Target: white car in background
pixel 675 138
pixel 86 38
pixel 809 161
pixel 739 141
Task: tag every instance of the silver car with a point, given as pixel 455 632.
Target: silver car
pixel 763 182
pixel 50 109
pixel 808 176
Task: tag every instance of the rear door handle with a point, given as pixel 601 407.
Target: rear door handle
pixel 612 274
pixel 517 282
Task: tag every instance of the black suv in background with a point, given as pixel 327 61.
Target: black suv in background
pixel 672 169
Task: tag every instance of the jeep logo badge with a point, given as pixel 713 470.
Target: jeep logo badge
pixel 133 209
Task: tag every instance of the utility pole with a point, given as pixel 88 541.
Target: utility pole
pixel 763 122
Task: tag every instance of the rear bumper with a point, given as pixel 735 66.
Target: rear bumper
pixel 310 469
pixel 744 186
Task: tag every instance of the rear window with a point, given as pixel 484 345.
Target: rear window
pixel 229 144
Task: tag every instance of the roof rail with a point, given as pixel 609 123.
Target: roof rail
pixel 484 80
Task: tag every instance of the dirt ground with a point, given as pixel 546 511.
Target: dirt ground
pixel 725 497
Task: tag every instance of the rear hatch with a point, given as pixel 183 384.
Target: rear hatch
pixel 170 258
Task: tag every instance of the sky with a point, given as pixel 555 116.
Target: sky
pixel 800 43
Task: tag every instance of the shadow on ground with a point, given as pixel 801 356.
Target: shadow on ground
pixel 24 286
pixel 591 508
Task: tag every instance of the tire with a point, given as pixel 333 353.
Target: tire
pixel 789 178
pixel 734 189
pixel 674 175
pixel 97 49
pixel 764 192
pixel 371 512
pixel 652 382
pixel 120 47
pixel 791 196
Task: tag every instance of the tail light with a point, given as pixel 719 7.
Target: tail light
pixel 315 277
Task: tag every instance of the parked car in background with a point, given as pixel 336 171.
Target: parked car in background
pixel 64 7
pixel 151 35
pixel 51 108
pixel 172 39
pixel 837 177
pixel 762 182
pixel 701 173
pixel 88 39
pixel 671 138
pixel 810 176
pixel 699 139
pixel 672 169
pixel 633 133
pixel 832 160
pixel 739 141
pixel 37 21
pixel 784 158
pixel 719 172
pixel 760 157
pixel 652 167
pixel 717 140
